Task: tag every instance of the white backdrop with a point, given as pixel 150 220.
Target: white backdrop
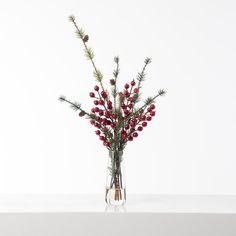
pixel 189 148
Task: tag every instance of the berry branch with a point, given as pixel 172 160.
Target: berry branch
pixel 119 121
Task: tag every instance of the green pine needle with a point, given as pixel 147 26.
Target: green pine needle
pixel 116 59
pixel 148 100
pixel 71 18
pixel 161 92
pixel 147 60
pixel 141 76
pixel 89 53
pixel 80 33
pixel 98 75
pixel 76 106
pixel 62 98
pixel 116 72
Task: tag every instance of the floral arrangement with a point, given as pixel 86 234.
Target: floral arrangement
pixel 115 115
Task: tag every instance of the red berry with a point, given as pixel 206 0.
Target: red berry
pixel 113 125
pixel 131 99
pixel 135 134
pixel 149 109
pixel 144 124
pixel 140 128
pixel 132 83
pixel 105 121
pixel 123 106
pixel 126 93
pixel 149 118
pixel 152 113
pixel 93 110
pixel 103 94
pixel 92 122
pixel 107 114
pixel 99 119
pixel 131 105
pixel 102 138
pixel 143 118
pixel 97 125
pixel 124 135
pixel 136 90
pixel 91 94
pixel 101 113
pixel 96 102
pixel 126 86
pixel 141 111
pixel 101 102
pixel 97 132
pixel 132 124
pixel 96 88
pixel 132 130
pixel 130 138
pixel 126 127
pixel 114 116
pixel 126 112
pixel 152 106
pixel 96 109
pixel 126 117
pixel 107 144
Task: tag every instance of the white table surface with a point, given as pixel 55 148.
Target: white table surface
pixel 135 203
pixel 149 215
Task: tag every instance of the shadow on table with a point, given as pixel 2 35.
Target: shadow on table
pixel 110 208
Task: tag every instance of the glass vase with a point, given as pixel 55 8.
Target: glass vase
pixel 115 181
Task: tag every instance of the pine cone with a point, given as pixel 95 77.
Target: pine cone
pixel 112 82
pixel 85 38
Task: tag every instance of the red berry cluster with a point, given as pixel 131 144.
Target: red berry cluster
pixel 137 123
pixel 104 115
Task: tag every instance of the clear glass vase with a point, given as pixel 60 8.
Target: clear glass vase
pixel 115 182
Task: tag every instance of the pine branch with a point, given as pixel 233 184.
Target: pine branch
pixel 88 51
pixel 74 105
pixel 150 100
pixel 115 74
pixel 161 92
pixel 141 75
pixel 147 102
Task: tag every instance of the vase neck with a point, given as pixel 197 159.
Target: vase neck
pixel 115 154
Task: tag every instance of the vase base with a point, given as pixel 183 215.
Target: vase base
pixel 115 196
